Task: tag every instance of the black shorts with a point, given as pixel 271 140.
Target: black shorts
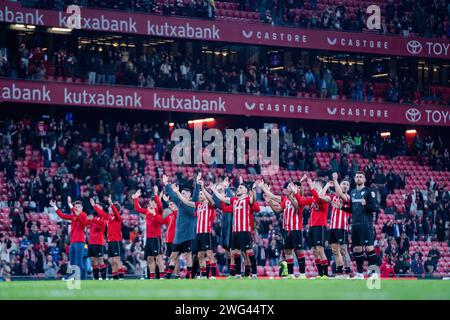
pixel 362 235
pixel 203 241
pixel 241 241
pixel 169 249
pixel 184 247
pixel 317 236
pixel 114 249
pixel 339 236
pixel 95 250
pixel 293 239
pixel 153 247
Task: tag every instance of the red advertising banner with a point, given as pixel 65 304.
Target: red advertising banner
pixel 234 32
pixel 120 97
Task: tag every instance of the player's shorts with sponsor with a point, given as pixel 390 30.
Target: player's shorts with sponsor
pixel 318 236
pixel 293 239
pixel 362 234
pixel 95 250
pixel 241 240
pixel 203 241
pixel 183 247
pixel 339 236
pixel 115 249
pixel 153 247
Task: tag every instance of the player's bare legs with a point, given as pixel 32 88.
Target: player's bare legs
pixel 176 271
pixel 359 259
pixel 116 266
pixel 160 263
pixel 321 261
pixel 347 260
pixel 289 256
pixel 237 263
pixel 338 259
pixel 372 259
pixel 202 264
pixel 98 268
pixel 151 267
pixel 188 258
pixel 173 259
pixel 231 265
pixel 213 263
pixel 301 263
pixel 95 268
pixel 251 256
pixel 247 266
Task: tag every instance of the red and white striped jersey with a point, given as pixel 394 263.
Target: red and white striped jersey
pixel 339 218
pixel 205 213
pixel 241 214
pixel 292 217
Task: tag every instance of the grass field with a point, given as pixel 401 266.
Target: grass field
pixel 228 289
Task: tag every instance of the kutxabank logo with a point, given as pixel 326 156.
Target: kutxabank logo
pixel 414 47
pixel 413 115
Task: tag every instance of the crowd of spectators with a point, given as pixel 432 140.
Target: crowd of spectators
pixel 82 173
pixel 159 67
pixel 426 18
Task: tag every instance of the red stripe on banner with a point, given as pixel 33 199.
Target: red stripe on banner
pixel 257 33
pixel 122 97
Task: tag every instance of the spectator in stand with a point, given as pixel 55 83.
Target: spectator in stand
pixel 429 267
pixel 262 254
pixel 401 267
pixel 435 256
pixel 417 266
pixel 386 269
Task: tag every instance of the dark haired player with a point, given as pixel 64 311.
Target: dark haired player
pixel 317 222
pixel 96 247
pixel 338 236
pixel 363 206
pixel 185 224
pixel 292 225
pixel 154 221
pixel 114 236
pixel 205 212
pixel 170 222
pixel 241 237
pixel 79 221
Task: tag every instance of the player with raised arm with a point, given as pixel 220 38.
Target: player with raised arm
pixel 78 222
pixel 170 222
pixel 292 225
pixel 205 212
pixel 226 222
pixel 241 237
pixel 154 221
pixel 114 236
pixel 363 206
pixel 185 225
pixel 96 247
pixel 338 236
pixel 317 222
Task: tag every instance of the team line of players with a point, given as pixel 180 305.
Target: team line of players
pixel 190 222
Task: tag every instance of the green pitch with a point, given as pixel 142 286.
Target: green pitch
pixel 228 289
